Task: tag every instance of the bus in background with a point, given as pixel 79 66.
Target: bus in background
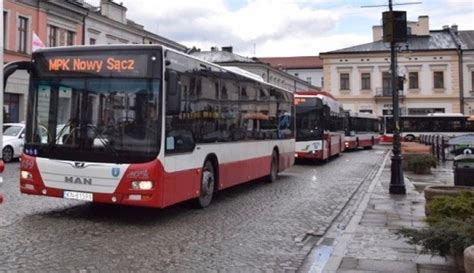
pixel 145 125
pixel 361 130
pixel 411 127
pixel 319 125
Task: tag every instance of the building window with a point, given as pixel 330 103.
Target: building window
pixel 344 81
pixel 52 36
pixel 438 79
pixel 11 108
pixel 386 83
pixel 92 41
pixel 308 79
pixel 472 81
pixel 70 38
pixel 22 34
pixel 5 29
pixel 365 80
pixel 413 80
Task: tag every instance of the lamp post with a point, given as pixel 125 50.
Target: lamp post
pixel 395 31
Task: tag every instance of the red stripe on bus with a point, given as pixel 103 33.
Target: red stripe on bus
pixel 172 188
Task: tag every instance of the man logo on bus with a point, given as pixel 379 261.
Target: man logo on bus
pixel 115 172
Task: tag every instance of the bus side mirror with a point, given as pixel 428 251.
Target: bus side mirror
pixel 173 94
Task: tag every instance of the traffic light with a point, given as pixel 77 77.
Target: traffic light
pixel 394 26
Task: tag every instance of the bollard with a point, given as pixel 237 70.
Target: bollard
pixel 437 147
pixel 443 149
pixel 433 148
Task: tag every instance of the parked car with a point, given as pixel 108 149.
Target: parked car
pixel 14 138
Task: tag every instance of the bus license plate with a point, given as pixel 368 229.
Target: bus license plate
pixel 84 196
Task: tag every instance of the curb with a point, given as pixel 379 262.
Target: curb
pixel 342 242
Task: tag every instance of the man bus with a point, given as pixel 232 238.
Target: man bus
pixel 145 125
pixel 319 126
pixel 361 130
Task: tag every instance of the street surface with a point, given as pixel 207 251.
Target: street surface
pixel 252 227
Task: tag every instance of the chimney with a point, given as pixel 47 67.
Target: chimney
pixel 423 26
pixel 455 29
pixel 227 49
pixel 214 49
pixel 114 11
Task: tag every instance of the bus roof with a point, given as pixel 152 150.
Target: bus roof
pixel 363 115
pixel 330 101
pixel 231 69
pixel 315 93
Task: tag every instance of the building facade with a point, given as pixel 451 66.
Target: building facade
pixel 108 24
pixel 307 68
pixel 428 63
pixel 268 73
pixel 56 23
pixel 62 23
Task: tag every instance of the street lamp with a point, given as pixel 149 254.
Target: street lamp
pixel 395 30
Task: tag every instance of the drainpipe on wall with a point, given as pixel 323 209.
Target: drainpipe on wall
pixel 461 81
pixel 453 30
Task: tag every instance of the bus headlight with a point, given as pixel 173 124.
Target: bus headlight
pixel 142 185
pixel 317 145
pixel 26 175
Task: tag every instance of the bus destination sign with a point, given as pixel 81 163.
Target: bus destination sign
pixel 119 64
pixel 92 65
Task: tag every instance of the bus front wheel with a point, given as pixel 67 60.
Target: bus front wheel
pixel 208 180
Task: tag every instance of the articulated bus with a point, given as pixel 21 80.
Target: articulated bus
pixel 361 130
pixel 145 125
pixel 319 126
pixel 411 127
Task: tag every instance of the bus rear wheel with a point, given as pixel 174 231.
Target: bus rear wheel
pixel 272 177
pixel 208 180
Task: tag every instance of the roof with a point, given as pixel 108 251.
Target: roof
pixel 293 62
pixel 467 38
pixel 221 57
pixel 437 40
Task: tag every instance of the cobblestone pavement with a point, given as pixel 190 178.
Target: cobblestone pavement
pixel 252 227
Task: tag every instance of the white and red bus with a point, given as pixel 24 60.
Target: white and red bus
pixel 411 126
pixel 319 126
pixel 145 125
pixel 361 130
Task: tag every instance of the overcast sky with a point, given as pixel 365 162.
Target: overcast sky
pixel 270 28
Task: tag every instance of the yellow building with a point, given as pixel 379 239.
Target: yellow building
pixel 429 62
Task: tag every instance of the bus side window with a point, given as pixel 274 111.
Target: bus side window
pixel 179 137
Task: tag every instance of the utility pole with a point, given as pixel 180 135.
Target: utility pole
pixel 395 30
pixel 397 184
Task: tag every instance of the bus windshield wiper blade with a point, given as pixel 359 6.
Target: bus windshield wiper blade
pixel 104 141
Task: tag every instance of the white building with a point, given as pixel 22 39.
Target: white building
pixel 269 74
pixel 307 68
pixel 108 24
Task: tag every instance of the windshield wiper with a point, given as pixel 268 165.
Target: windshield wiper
pixel 104 141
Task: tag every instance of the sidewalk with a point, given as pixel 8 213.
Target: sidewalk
pixel 369 243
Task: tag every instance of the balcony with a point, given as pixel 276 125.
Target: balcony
pixel 386 93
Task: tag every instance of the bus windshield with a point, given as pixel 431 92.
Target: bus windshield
pixel 308 119
pixel 96 119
